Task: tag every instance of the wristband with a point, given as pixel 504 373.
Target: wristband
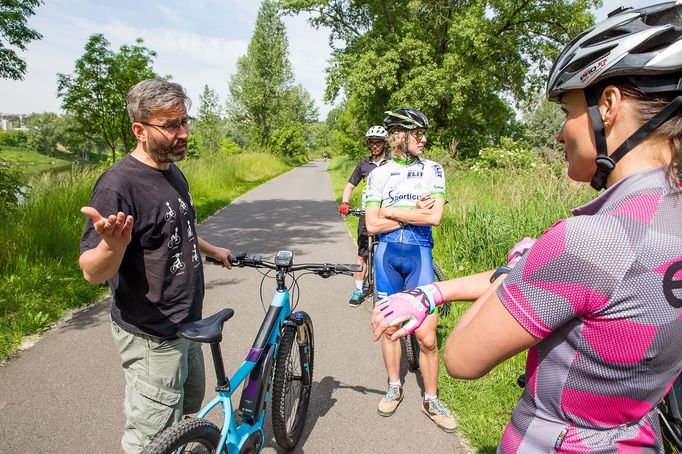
pixel 433 294
pixel 502 269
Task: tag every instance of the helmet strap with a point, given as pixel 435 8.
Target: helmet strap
pixel 605 163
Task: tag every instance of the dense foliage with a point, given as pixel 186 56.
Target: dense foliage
pixel 265 108
pixel 95 93
pixel 14 32
pixel 464 63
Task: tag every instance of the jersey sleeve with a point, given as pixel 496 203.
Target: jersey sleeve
pixel 553 283
pixel 356 176
pixel 374 189
pixel 107 202
pixel 437 181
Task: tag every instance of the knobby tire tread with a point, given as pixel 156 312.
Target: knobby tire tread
pixel 281 386
pixel 184 432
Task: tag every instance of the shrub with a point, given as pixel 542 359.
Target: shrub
pixel 509 154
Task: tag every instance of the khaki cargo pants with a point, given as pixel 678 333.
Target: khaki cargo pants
pixel 165 380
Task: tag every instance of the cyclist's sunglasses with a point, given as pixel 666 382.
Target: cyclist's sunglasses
pixel 372 142
pixel 419 134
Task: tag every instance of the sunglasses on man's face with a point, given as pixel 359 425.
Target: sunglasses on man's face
pixel 374 143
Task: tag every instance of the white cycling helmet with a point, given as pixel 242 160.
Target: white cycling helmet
pixel 376 131
pixel 642 45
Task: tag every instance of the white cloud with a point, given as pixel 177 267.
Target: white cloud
pixel 197 44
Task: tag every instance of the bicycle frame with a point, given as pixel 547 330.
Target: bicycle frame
pixel 257 368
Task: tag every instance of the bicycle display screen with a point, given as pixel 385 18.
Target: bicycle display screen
pixel 284 258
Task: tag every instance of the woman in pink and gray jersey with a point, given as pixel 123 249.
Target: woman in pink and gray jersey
pixel 597 299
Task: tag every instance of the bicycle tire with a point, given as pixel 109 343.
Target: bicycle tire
pixel 411 342
pixel 290 405
pixel 188 436
pixel 443 309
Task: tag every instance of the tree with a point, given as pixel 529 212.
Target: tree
pixel 95 93
pixel 14 32
pixel 45 131
pixel 208 128
pixel 465 63
pixel 259 87
pixel 542 120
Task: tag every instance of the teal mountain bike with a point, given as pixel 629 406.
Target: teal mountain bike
pixel 279 364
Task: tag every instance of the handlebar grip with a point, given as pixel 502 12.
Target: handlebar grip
pixel 346 267
pixel 231 259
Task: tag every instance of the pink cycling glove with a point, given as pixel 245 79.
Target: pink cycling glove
pixel 344 208
pixel 518 250
pixel 411 306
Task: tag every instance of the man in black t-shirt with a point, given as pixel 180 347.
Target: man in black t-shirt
pixel 376 137
pixel 140 235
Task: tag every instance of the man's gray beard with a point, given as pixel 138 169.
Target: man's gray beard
pixel 164 153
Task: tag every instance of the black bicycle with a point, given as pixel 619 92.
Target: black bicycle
pixel 411 345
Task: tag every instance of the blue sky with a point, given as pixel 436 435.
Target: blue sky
pixel 197 42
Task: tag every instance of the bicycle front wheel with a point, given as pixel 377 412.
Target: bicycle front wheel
pixel 196 436
pixel 293 380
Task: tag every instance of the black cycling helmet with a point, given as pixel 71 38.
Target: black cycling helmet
pixel 643 45
pixel 405 118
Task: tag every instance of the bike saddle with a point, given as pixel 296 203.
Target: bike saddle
pixel 208 330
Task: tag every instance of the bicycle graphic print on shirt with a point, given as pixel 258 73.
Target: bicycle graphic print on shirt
pixel 178 264
pixel 174 240
pixel 170 214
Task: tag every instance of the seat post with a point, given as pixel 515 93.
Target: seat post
pixel 223 383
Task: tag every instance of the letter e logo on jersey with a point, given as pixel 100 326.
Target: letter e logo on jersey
pixel 672 284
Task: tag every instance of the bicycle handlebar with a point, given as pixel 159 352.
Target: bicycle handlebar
pixel 323 269
pixel 356 212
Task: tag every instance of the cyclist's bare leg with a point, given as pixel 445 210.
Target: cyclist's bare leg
pixel 361 261
pixel 428 354
pixel 392 350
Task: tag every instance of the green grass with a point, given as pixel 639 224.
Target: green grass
pixel 486 214
pixel 28 161
pixel 40 279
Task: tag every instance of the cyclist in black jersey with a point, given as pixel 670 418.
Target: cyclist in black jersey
pixel 376 137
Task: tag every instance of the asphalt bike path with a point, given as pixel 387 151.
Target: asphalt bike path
pixel 65 393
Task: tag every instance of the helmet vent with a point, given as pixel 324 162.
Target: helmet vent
pixel 605 36
pixel 659 41
pixel 584 62
pixel 666 16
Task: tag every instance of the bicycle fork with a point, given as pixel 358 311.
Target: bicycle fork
pixel 303 349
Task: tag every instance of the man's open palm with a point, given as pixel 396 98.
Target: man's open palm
pixel 116 230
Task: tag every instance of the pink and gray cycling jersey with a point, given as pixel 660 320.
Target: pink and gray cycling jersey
pixel 602 291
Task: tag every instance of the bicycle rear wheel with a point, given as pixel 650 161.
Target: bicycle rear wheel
pixel 196 436
pixel 293 379
pixel 443 309
pixel 411 343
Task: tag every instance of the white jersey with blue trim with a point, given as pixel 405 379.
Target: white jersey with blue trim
pixel 399 184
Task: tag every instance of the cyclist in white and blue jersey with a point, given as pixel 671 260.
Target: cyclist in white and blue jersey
pixel 405 198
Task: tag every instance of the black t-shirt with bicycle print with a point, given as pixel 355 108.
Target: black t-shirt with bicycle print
pixel 160 282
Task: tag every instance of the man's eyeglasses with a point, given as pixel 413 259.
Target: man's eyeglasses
pixel 171 127
pixel 418 134
pixel 373 143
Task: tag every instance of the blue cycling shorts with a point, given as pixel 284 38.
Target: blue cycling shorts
pixel 400 266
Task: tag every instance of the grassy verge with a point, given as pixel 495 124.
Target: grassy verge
pixel 40 279
pixel 486 215
pixel 30 162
